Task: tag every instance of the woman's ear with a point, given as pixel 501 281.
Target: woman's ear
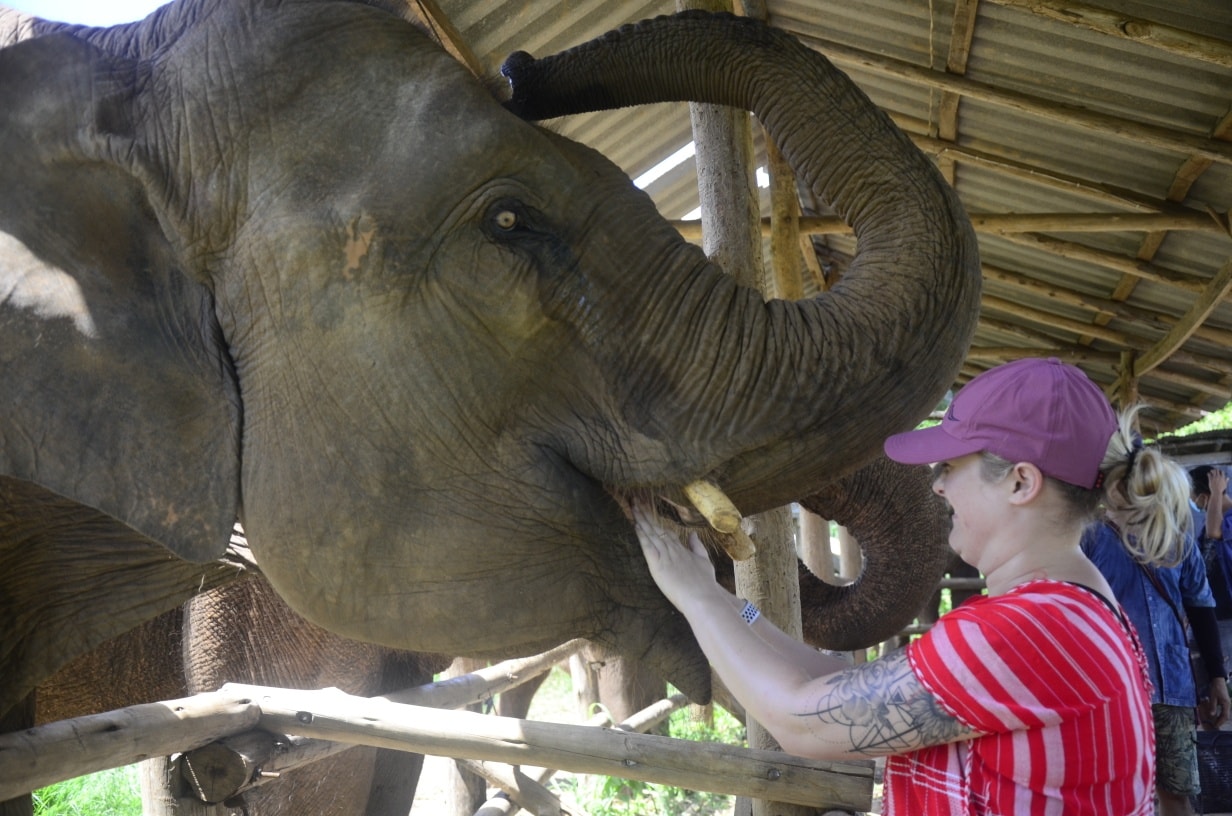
pixel 1027 481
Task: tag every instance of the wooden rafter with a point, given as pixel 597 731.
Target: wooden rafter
pixel 1012 223
pixel 1071 115
pixel 1215 291
pixel 989 159
pixel 429 15
pixel 1122 26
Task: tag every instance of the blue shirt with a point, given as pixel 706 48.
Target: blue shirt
pixel 1214 556
pixel 1163 639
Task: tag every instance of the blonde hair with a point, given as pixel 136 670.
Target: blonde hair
pixel 1149 493
pixel 1145 489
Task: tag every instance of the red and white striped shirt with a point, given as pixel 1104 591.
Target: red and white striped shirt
pixel 1060 691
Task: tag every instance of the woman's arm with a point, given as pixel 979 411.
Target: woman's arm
pixel 813 704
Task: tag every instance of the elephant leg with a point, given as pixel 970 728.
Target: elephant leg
pixel 624 686
pixel 395 775
pixel 516 701
pixel 140 666
pixel 627 686
pixel 244 632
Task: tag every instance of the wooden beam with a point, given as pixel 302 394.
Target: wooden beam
pixel 990 159
pixel 962 31
pixel 1004 354
pixel 1136 317
pixel 1221 391
pixel 706 766
pixel 1043 318
pixel 1214 292
pixel 1083 329
pixel 51 753
pixel 1013 223
pixel 1037 108
pixel 1192 221
pixel 437 23
pixel 229 767
pixel 1166 38
pixel 1108 260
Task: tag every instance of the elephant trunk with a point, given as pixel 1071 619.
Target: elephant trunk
pixel 837 372
pixel 903 530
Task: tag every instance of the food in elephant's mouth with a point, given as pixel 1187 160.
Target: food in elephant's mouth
pixel 717 509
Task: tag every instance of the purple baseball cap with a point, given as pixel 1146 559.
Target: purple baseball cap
pixel 1040 411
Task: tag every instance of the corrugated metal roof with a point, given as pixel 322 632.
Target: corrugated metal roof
pixel 1076 108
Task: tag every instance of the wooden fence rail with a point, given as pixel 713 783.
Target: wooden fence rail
pixel 41 756
pixel 228 767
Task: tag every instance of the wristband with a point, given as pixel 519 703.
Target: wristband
pixel 750 613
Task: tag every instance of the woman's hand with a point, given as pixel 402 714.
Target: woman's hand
pixel 682 572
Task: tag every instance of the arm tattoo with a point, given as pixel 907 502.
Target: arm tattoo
pixel 884 709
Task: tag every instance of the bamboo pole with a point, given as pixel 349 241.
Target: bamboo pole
pixel 235 764
pixel 51 753
pixel 771 775
pixel 1212 294
pixel 1014 223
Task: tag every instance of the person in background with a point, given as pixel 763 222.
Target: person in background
pixel 1210 493
pixel 1034 698
pixel 1153 597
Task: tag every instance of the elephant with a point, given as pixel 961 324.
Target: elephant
pixel 243 632
pixel 288 263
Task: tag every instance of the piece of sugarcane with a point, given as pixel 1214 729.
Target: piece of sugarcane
pixel 721 513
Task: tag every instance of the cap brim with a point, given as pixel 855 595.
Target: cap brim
pixel 926 446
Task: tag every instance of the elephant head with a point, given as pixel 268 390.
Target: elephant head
pixel 289 263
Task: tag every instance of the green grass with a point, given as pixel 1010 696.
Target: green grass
pixel 614 796
pixel 107 793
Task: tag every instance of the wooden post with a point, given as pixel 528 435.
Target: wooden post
pixel 162 793
pixel 731 235
pixel 815 550
pixel 1127 394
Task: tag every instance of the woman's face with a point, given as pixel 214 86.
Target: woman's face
pixel 975 504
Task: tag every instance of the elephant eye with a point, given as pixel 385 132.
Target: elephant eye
pixel 506 219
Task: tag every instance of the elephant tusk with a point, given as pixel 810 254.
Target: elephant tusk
pixel 718 510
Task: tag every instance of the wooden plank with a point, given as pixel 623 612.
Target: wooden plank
pixel 728 769
pixel 1203 305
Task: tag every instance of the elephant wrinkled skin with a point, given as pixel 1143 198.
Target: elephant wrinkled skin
pixel 288 262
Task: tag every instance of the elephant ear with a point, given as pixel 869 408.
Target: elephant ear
pixel 118 392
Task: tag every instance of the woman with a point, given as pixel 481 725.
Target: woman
pixel 1034 698
pixel 1165 594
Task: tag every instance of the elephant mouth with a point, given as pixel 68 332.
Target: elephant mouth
pixel 705 507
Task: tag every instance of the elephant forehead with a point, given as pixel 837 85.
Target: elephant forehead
pixel 27 282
